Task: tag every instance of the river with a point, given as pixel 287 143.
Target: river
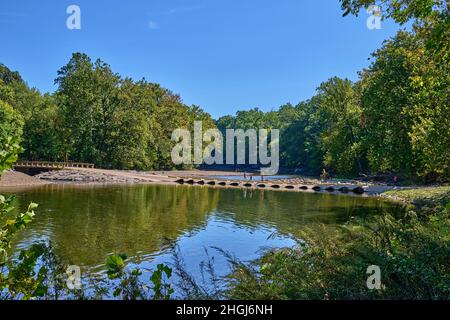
pixel 87 223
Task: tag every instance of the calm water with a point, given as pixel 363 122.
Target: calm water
pixel 85 224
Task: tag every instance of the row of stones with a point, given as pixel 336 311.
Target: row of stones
pixel 343 189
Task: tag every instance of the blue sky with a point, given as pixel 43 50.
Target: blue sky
pixel 222 55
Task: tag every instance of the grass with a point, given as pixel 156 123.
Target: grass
pixel 422 197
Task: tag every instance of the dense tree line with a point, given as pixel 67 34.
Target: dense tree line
pixel 395 118
pixel 97 116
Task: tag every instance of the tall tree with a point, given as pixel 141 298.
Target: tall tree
pixel 340 111
pixel 405 103
pixel 87 95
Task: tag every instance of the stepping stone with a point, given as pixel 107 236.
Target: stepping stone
pixel 358 190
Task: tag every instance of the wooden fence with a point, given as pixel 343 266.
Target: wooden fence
pixel 52 165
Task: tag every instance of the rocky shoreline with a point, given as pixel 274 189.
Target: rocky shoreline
pixel 76 176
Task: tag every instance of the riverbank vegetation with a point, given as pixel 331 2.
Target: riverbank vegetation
pixel 422 197
pixel 393 119
pixel 412 252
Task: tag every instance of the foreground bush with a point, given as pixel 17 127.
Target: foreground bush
pixel 413 254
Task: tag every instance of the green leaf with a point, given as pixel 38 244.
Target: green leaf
pixel 115 265
pixel 32 206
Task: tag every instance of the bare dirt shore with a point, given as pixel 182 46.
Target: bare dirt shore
pixel 19 179
pixel 91 175
pixel 13 178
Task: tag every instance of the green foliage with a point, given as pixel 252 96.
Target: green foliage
pixel 12 226
pixel 399 10
pixel 29 276
pixel 44 132
pixel 99 117
pixel 119 123
pixel 7 76
pixel 411 134
pixel 320 133
pixel 430 196
pixel 129 285
pixel 115 265
pixel 162 290
pixel 22 280
pixel 393 119
pixel 9 154
pixel 340 113
pixel 412 254
pixel 10 135
pixel 420 63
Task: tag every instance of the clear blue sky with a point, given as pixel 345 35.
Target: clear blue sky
pixel 224 55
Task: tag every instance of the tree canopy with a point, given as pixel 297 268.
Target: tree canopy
pixel 394 118
pixel 99 117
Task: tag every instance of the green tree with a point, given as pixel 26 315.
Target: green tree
pixel 432 15
pixel 11 124
pixel 340 111
pixel 87 96
pixel 399 10
pixel 405 109
pixel 42 136
pixel 119 123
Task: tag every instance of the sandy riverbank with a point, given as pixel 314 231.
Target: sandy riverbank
pixel 19 179
pixel 13 178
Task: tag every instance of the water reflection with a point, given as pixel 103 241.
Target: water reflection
pixel 87 223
